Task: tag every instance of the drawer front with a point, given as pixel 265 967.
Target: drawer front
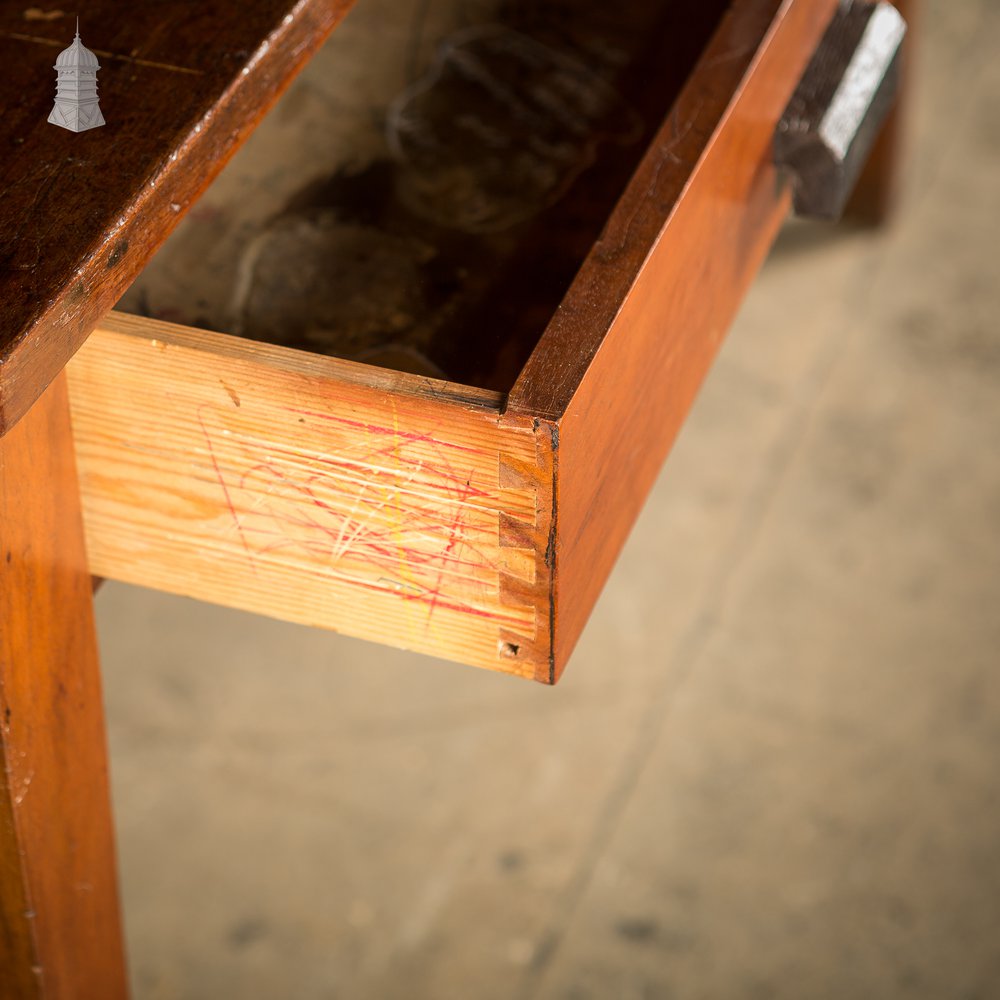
pixel 301 488
pixel 454 521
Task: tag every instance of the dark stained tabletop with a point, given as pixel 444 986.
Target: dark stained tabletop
pixel 181 85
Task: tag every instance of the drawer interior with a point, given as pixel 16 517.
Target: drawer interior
pixel 423 195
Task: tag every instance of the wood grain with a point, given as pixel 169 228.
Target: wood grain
pixel 383 505
pixel 181 87
pixel 60 934
pixel 618 368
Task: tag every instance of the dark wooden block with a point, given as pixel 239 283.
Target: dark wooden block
pixel 831 123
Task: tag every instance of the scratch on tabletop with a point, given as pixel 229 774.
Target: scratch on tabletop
pixel 103 53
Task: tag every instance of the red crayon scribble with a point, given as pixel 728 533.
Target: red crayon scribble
pixel 409 520
pixel 410 436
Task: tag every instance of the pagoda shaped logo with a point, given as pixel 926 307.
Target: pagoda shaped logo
pixel 76 106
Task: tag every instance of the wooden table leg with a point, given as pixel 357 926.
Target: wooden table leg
pixel 877 189
pixel 60 930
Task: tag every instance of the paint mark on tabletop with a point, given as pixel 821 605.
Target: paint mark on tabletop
pixel 37 14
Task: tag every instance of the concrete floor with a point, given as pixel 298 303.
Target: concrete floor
pixel 773 768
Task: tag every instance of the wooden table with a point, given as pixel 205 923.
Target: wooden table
pixel 499 509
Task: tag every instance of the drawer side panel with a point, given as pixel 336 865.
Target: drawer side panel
pixel 667 278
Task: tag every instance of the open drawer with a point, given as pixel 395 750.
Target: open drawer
pixel 475 518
